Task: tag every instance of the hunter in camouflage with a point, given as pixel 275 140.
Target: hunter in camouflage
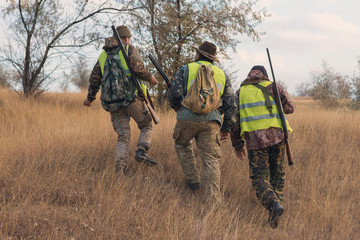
pixel 136 110
pixel 207 129
pixel 266 150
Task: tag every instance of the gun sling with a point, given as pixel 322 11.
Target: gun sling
pixel 267 97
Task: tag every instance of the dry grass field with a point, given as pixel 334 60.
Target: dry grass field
pixel 57 179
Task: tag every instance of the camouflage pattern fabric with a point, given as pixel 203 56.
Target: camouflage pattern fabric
pixel 120 121
pixel 207 137
pixel 267 173
pixel 266 137
pixel 117 91
pixel 136 64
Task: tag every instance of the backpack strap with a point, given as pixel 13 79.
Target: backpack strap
pixel 267 97
pixel 203 64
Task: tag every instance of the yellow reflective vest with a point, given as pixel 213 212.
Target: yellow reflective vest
pixel 102 60
pixel 254 114
pixel 219 75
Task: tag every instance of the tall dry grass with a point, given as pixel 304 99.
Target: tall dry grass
pixel 57 179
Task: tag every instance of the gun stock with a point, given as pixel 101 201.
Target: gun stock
pixel 281 113
pixel 288 152
pixel 133 78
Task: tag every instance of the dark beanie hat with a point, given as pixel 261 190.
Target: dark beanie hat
pixel 261 69
pixel 123 31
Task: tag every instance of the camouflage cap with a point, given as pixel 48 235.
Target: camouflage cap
pixel 123 31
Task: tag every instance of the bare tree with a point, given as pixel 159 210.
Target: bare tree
pixel 4 78
pixel 80 74
pixel 355 81
pixel 64 82
pixel 329 87
pixel 304 89
pixel 343 87
pixel 41 32
pixel 168 29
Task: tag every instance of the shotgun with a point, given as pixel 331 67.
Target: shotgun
pixel 168 83
pixel 281 113
pixel 148 102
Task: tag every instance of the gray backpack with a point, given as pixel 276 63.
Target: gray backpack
pixel 117 89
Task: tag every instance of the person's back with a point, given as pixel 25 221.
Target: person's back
pixel 117 89
pixel 121 99
pixel 260 126
pixel 204 127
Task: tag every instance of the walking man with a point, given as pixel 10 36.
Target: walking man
pixel 119 97
pixel 205 127
pixel 259 124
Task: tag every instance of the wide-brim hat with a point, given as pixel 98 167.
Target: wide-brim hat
pixel 208 50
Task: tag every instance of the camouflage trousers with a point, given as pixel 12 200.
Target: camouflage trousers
pixel 207 137
pixel 267 173
pixel 121 123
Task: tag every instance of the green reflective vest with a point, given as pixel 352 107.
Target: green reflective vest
pixel 254 114
pixel 102 60
pixel 219 75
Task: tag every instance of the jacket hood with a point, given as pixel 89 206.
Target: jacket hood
pixel 254 76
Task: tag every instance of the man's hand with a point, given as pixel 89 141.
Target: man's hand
pixel 224 135
pixel 240 154
pixel 87 103
pixel 153 81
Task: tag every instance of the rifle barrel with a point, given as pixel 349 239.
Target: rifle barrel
pixel 281 113
pixel 160 70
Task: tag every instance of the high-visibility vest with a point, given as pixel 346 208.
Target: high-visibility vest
pixel 254 115
pixel 102 60
pixel 219 75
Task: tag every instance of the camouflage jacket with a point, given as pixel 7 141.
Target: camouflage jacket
pixel 266 137
pixel 177 93
pixel 136 64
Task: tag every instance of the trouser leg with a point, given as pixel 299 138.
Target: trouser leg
pixel 120 121
pixel 277 169
pixel 184 132
pixel 260 176
pixel 208 143
pixel 142 117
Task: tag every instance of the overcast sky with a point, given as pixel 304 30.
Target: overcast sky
pixel 300 35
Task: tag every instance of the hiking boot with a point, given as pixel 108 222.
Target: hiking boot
pixel 194 186
pixel 274 214
pixel 141 156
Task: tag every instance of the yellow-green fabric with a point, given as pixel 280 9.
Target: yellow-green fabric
pixel 102 60
pixel 254 114
pixel 219 75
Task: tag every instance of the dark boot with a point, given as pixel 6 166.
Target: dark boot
pixel 142 156
pixel 275 212
pixel 194 186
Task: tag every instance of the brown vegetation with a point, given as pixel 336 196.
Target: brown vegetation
pixel 57 179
